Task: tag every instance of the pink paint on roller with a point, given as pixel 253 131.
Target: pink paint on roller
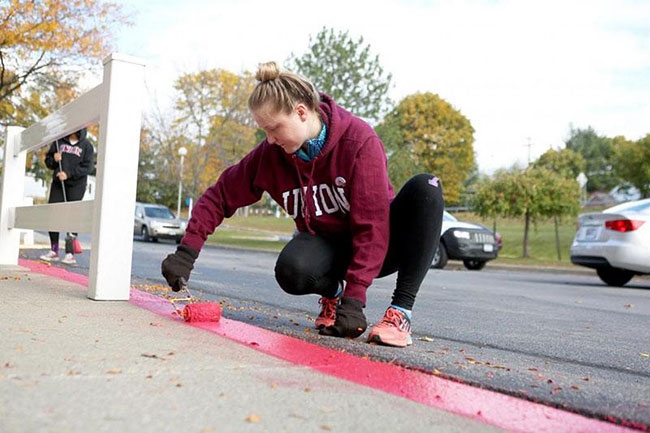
pixel 202 312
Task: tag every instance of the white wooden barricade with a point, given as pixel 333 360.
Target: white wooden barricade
pixel 116 105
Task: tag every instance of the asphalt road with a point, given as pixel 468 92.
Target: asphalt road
pixel 560 338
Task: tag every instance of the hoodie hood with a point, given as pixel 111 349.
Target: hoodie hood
pixel 82 133
pixel 337 120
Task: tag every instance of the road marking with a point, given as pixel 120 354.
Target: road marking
pixel 491 407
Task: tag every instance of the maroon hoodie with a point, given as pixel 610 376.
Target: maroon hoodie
pixel 344 190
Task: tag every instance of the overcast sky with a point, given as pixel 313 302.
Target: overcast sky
pixel 523 72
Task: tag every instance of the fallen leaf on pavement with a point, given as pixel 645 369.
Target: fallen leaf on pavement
pixel 253 418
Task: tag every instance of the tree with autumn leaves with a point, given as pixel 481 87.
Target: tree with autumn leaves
pixel 422 134
pixel 44 47
pixel 211 120
pixel 425 133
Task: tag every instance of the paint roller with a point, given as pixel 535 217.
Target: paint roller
pixel 195 311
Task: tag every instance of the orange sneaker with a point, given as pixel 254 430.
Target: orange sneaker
pixel 327 315
pixel 393 330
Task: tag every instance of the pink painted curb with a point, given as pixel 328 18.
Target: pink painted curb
pixel 490 407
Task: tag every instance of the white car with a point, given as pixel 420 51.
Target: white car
pixel 615 242
pixel 155 221
pixel 474 244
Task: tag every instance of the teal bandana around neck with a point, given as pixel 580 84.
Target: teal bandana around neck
pixel 314 146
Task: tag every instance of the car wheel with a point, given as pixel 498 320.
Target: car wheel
pixel 614 276
pixel 440 257
pixel 145 234
pixel 178 240
pixel 474 265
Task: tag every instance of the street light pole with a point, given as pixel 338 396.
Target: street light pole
pixel 182 152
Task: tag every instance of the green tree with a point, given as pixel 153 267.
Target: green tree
pixel 425 133
pixel 155 181
pixel 565 162
pixel 632 162
pixel 346 70
pixel 568 164
pixel 597 152
pixel 532 193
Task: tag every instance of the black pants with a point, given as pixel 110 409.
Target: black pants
pixel 73 192
pixel 314 265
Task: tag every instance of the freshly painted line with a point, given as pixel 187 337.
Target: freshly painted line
pixel 491 407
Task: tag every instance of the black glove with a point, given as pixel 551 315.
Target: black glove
pixel 350 320
pixel 176 267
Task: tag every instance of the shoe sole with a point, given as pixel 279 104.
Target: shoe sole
pixel 377 340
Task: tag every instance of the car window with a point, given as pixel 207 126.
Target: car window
pixel 446 216
pixel 639 207
pixel 159 212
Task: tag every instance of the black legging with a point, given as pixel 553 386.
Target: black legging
pixel 73 192
pixel 315 265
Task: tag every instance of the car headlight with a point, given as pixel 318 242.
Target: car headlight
pixel 183 225
pixel 156 224
pixel 461 234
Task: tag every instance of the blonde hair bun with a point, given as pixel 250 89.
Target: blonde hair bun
pixel 268 71
pixel 281 90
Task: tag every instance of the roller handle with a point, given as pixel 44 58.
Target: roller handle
pixel 181 284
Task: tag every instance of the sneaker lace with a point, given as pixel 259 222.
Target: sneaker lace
pixel 394 318
pixel 328 307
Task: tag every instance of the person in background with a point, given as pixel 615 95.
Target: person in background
pixel 328 170
pixel 72 160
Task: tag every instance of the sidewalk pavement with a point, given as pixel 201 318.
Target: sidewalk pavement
pixel 70 364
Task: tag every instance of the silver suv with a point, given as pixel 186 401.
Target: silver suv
pixel 155 221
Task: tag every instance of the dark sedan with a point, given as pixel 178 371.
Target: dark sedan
pixel 473 244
